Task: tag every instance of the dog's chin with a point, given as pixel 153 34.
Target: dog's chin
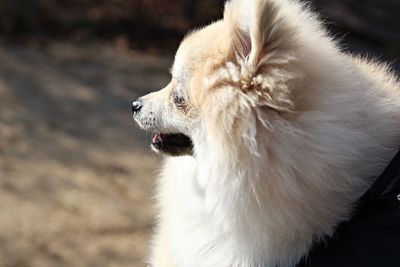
pixel 172 144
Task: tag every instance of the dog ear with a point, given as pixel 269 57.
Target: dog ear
pixel 256 26
pixel 261 42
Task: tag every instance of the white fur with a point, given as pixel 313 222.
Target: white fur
pixel 283 151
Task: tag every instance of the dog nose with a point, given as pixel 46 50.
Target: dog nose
pixel 136 106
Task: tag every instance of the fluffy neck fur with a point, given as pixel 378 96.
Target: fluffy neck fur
pixel 274 184
pixel 274 190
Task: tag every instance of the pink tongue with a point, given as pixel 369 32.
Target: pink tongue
pixel 156 139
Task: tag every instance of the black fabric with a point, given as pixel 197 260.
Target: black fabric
pixel 372 237
pixel 388 177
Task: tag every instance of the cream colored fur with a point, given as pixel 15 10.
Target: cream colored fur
pixel 288 133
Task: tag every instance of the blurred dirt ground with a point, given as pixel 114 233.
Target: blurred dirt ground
pixel 76 175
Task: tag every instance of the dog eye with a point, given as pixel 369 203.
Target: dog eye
pixel 179 101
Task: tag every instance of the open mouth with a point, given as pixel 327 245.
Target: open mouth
pixel 172 144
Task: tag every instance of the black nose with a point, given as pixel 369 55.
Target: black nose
pixel 136 106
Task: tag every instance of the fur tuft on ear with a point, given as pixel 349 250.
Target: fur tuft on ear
pixel 262 44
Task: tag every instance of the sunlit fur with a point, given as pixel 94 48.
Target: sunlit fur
pixel 288 133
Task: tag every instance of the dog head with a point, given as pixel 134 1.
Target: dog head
pixel 232 78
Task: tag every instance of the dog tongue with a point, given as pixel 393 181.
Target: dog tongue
pixel 157 139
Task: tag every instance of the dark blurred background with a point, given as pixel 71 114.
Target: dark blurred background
pixel 76 175
pixel 152 25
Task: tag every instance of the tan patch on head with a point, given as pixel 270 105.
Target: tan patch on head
pixel 220 80
pixel 199 55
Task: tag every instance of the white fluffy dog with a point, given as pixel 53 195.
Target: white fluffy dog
pixel 275 133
